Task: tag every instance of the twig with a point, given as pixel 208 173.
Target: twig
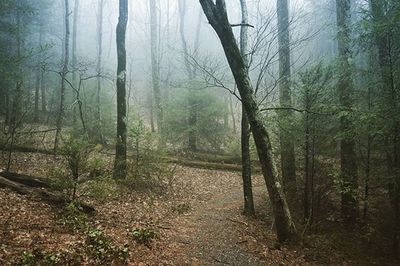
pixel 164 227
pixel 239 222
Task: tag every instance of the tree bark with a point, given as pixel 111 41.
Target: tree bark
pixel 384 44
pixel 15 111
pixel 64 73
pixel 245 135
pixel 348 158
pixel 99 133
pixel 120 164
pixel 38 77
pixel 307 171
pixel 288 163
pixel 155 64
pixel 217 17
pixel 74 60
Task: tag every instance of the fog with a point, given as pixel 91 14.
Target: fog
pixel 306 44
pixel 163 115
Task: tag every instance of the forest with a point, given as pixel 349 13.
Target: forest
pixel 209 132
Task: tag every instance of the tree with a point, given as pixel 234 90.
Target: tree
pixel 64 73
pixel 218 18
pixel 155 64
pixel 245 135
pixel 348 158
pixel 192 119
pixel 384 22
pixel 99 135
pixel 39 75
pixel 285 116
pixel 74 60
pixel 15 115
pixel 120 164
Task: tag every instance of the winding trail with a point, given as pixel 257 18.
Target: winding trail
pixel 212 234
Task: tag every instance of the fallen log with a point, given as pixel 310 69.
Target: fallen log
pixel 20 189
pixel 31 181
pixel 25 149
pixel 42 194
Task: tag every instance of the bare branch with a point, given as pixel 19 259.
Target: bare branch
pixel 242 25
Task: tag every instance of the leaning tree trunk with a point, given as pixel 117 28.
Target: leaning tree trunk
pixel 285 116
pixel 155 65
pixel 99 133
pixel 120 164
pixel 245 135
pixel 348 158
pixel 217 17
pixel 64 73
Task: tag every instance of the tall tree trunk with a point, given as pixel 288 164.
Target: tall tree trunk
pixel 155 64
pixel 120 164
pixel 383 42
pixel 245 135
pixel 307 170
pixel 285 116
pixel 17 99
pixel 39 75
pixel 74 60
pixel 192 104
pixel 99 133
pixel 64 73
pixel 348 158
pixel 217 16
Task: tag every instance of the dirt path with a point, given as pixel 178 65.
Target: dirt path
pixel 213 233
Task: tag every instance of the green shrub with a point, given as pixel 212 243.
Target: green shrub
pixel 96 165
pixel 144 236
pixel 234 148
pixel 148 168
pixel 101 248
pixel 102 188
pixel 73 217
pixel 60 178
pixel 49 258
pixel 76 152
pixel 37 257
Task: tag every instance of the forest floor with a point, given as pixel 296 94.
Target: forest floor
pixel 197 221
